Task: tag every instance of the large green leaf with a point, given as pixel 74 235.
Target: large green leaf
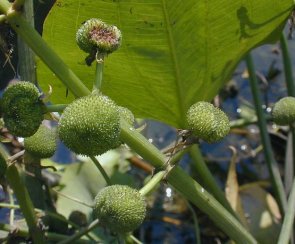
pixel 174 52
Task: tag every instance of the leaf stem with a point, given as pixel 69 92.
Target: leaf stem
pixel 268 153
pixel 207 178
pixel 101 170
pixel 98 73
pixel 287 229
pixel 23 198
pixel 290 85
pixel 55 107
pixel 46 54
pixel 187 186
pixel 153 183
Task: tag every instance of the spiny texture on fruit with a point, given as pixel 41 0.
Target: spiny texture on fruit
pixel 120 208
pixel 126 114
pixel 207 122
pixel 22 109
pixel 90 125
pixel 284 111
pixel 94 35
pixel 43 143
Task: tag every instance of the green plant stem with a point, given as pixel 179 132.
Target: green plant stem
pixel 207 178
pixel 101 170
pixel 81 233
pixel 268 153
pixel 287 226
pixel 287 66
pixel 196 223
pixel 153 183
pixel 55 107
pixel 46 54
pixel 98 74
pixel 178 178
pixel 23 198
pixel 187 186
pixel 11 201
pixel 289 82
pixel 49 236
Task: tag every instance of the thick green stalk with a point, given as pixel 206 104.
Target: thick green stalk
pixel 23 198
pixel 55 107
pixel 98 74
pixel 287 226
pixel 268 153
pixel 290 85
pixel 187 186
pixel 25 203
pixel 153 183
pixel 287 66
pixel 101 170
pixel 47 55
pixel 207 178
pixel 178 178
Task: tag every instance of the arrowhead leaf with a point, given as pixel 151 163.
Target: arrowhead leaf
pixel 174 52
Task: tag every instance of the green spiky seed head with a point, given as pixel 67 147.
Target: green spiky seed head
pixel 283 112
pixel 121 208
pixel 90 125
pixel 207 122
pixel 22 109
pixel 95 35
pixel 43 143
pixel 126 114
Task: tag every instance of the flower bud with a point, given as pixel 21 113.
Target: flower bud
pixel 90 125
pixel 284 111
pixel 42 144
pixel 207 122
pixel 120 208
pixel 95 35
pixel 22 109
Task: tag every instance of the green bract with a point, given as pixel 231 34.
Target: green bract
pixel 120 208
pixel 94 35
pixel 126 114
pixel 207 122
pixel 22 109
pixel 42 144
pixel 284 111
pixel 90 125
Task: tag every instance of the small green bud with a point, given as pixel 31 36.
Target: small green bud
pixel 94 35
pixel 207 122
pixel 42 144
pixel 126 114
pixel 120 208
pixel 283 112
pixel 90 125
pixel 22 109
